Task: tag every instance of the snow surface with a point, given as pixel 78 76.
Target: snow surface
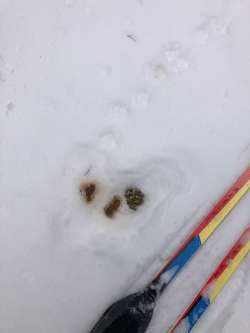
pixel 136 92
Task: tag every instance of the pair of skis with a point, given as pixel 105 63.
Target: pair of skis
pixel 229 264
pixel 133 313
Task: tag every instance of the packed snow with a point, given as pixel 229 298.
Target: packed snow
pixel 184 327
pixel 145 93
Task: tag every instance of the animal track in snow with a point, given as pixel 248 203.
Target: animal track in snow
pixel 176 57
pixel 117 113
pixel 173 59
pixel 160 71
pixel 140 100
pixel 212 26
pixel 108 140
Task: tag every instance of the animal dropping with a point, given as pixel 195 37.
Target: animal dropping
pixel 134 197
pixel 88 191
pixel 112 207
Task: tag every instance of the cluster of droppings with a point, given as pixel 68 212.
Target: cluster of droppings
pixel 133 196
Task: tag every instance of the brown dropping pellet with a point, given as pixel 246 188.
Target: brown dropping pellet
pixel 88 191
pixel 112 207
pixel 134 197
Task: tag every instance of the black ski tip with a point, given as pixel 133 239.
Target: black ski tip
pixel 131 314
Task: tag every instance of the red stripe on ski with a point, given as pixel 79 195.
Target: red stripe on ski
pixel 221 203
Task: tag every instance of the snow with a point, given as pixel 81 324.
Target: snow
pixel 183 327
pixel 136 92
pixel 168 275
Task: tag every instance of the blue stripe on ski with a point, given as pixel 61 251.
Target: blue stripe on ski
pixel 179 262
pixel 196 312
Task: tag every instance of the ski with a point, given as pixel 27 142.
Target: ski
pixel 204 230
pixel 133 313
pixel 214 285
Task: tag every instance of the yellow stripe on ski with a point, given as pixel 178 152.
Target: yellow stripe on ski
pixel 218 219
pixel 228 272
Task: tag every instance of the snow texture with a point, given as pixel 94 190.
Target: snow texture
pixel 144 93
pixel 184 327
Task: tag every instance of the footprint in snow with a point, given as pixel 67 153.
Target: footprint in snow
pixel 140 100
pixel 212 26
pixel 108 140
pixel 116 116
pixel 117 113
pixel 173 59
